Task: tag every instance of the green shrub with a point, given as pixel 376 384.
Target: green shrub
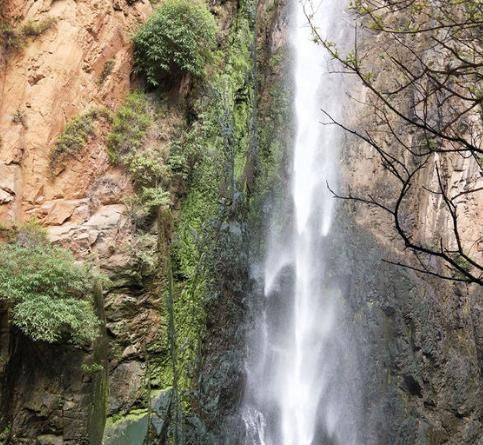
pixel 153 197
pixel 76 134
pixel 130 123
pixel 147 168
pixel 47 292
pixel 145 165
pixel 178 38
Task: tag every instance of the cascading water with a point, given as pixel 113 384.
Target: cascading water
pixel 298 389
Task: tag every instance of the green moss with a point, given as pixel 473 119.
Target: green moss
pixel 98 370
pixel 134 414
pixel 209 162
pixel 211 156
pixel 274 133
pixel 129 429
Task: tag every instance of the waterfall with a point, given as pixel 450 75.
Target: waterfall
pixel 299 371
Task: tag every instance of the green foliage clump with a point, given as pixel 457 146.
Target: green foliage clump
pixel 76 134
pixel 10 38
pixel 130 124
pixel 46 290
pixel 153 197
pixel 178 38
pixel 91 369
pixel 126 144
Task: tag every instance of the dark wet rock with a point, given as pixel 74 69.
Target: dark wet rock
pixel 126 386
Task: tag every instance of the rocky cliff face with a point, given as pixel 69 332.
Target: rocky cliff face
pixel 419 337
pixel 53 77
pixel 82 60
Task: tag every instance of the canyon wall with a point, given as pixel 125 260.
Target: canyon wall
pixel 419 336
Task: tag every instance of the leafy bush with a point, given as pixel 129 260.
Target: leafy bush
pixel 47 292
pixel 177 39
pixel 154 197
pixel 76 134
pixel 147 168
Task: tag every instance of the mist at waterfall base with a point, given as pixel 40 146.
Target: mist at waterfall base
pixel 300 370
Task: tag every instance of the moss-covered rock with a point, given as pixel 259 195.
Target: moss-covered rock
pixel 129 429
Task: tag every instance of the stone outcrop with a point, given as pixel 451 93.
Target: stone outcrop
pixel 54 77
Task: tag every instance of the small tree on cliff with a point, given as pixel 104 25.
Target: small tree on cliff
pixel 176 40
pixel 424 92
pixel 46 291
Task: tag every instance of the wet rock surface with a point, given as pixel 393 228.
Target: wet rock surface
pixel 418 344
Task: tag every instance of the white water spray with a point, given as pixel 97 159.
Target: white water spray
pixel 298 351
